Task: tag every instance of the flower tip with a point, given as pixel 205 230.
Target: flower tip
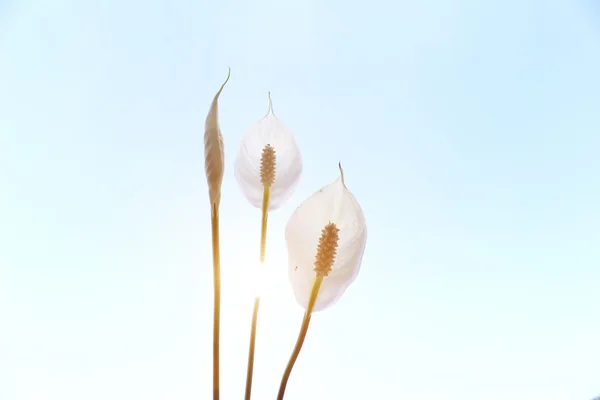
pixel 341 173
pixel 226 80
pixel 270 104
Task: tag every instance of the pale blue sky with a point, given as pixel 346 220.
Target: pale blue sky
pixel 468 130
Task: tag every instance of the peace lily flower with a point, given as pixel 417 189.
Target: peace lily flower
pixel 311 227
pixel 269 158
pixel 214 165
pixel 326 238
pixel 267 168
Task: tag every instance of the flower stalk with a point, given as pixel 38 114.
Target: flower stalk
pixel 267 177
pixel 301 336
pixel 214 166
pixel 217 297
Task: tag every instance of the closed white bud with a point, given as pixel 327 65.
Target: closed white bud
pixel 214 158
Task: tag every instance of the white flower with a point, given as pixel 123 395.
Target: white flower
pixel 333 207
pixel 268 140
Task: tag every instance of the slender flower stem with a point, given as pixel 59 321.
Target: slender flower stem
pixel 263 226
pixel 217 298
pixel 252 347
pixel 263 245
pixel 301 336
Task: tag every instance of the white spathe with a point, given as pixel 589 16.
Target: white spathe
pixel 333 203
pixel 288 161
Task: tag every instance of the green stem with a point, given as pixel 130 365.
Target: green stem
pixel 217 297
pixel 263 245
pixel 301 336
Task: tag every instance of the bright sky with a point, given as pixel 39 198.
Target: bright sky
pixel 468 130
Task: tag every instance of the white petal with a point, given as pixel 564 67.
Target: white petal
pixel 214 159
pixel 333 203
pixel 288 161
